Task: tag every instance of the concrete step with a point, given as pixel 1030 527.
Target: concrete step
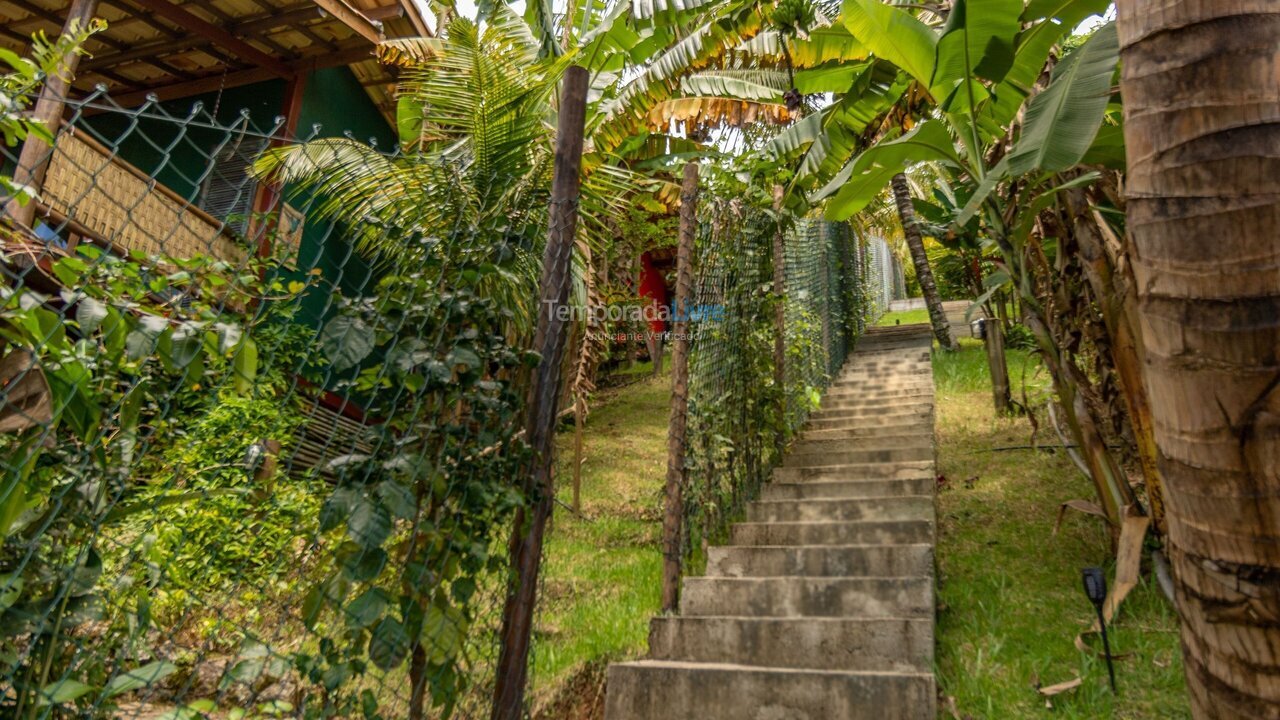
pixel 820 561
pixel 864 431
pixel 911 507
pixel 847 489
pixel 870 423
pixel 863 416
pixel 805 458
pixel 879 644
pixel 914 402
pixel 853 392
pixel 873 390
pixel 921 437
pixel 866 597
pixel 884 372
pixel 857 471
pixel 858 532
pixel 667 690
pixel 842 408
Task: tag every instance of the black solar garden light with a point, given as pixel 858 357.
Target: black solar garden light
pixel 1095 586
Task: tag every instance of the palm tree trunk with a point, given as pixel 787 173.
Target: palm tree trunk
pixel 915 243
pixel 1202 125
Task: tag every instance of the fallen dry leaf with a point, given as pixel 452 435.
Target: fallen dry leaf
pixel 1060 688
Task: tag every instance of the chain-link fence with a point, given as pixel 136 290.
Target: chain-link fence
pixel 262 412
pixel 244 468
pixel 833 287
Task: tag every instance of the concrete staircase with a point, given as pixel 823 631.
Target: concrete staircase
pixel 822 606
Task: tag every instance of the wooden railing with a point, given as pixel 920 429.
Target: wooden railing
pixel 115 203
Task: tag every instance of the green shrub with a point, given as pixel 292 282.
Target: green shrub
pixel 238 531
pixel 1019 337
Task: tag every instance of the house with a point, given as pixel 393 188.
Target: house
pixel 161 120
pixel 176 98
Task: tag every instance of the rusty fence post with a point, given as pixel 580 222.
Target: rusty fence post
pixel 512 670
pixel 780 322
pixel 673 520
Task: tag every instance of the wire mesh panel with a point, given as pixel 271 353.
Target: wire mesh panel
pixel 244 469
pixel 736 410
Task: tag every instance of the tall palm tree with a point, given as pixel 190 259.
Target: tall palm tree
pixel 924 274
pixel 1202 124
pixel 471 179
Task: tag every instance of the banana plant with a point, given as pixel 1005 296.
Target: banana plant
pixel 972 73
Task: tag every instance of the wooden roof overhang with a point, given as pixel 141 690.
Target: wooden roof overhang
pixel 180 48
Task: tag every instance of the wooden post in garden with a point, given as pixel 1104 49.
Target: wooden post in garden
pixel 780 321
pixel 674 518
pixel 544 397
pixel 33 159
pixel 996 361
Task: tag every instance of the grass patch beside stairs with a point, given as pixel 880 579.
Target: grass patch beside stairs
pixel 1010 595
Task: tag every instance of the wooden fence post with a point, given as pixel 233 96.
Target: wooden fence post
pixel 673 521
pixel 33 159
pixel 512 670
pixel 996 362
pixel 780 322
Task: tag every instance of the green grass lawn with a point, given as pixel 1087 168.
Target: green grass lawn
pixel 603 571
pixel 1010 594
pixel 906 317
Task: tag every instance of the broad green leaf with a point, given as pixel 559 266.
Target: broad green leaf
pixel 1062 121
pixel 1032 51
pixel 833 77
pixel 139 678
pixel 1107 148
pixel 795 136
pixel 443 632
pixel 63 691
pixel 89 314
pixel 873 169
pixel 367 608
pixel 388 644
pixel 993 178
pixel 346 341
pixel 185 344
pixel 758 85
pixel 229 335
pixel 1067 12
pixel 647 9
pixel 893 34
pixel 141 341
pixel 369 524
pixel 827 44
pixel 245 366
pixel 978 41
pixel 10 590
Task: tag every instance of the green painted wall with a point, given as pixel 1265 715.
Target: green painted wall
pixel 177 153
pixel 334 104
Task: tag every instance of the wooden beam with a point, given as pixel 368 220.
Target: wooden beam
pixel 352 18
pixel 218 35
pixel 210 83
pixel 228 23
pixel 287 17
pixel 51 17
pixel 384 13
pixel 33 159
pixel 415 17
